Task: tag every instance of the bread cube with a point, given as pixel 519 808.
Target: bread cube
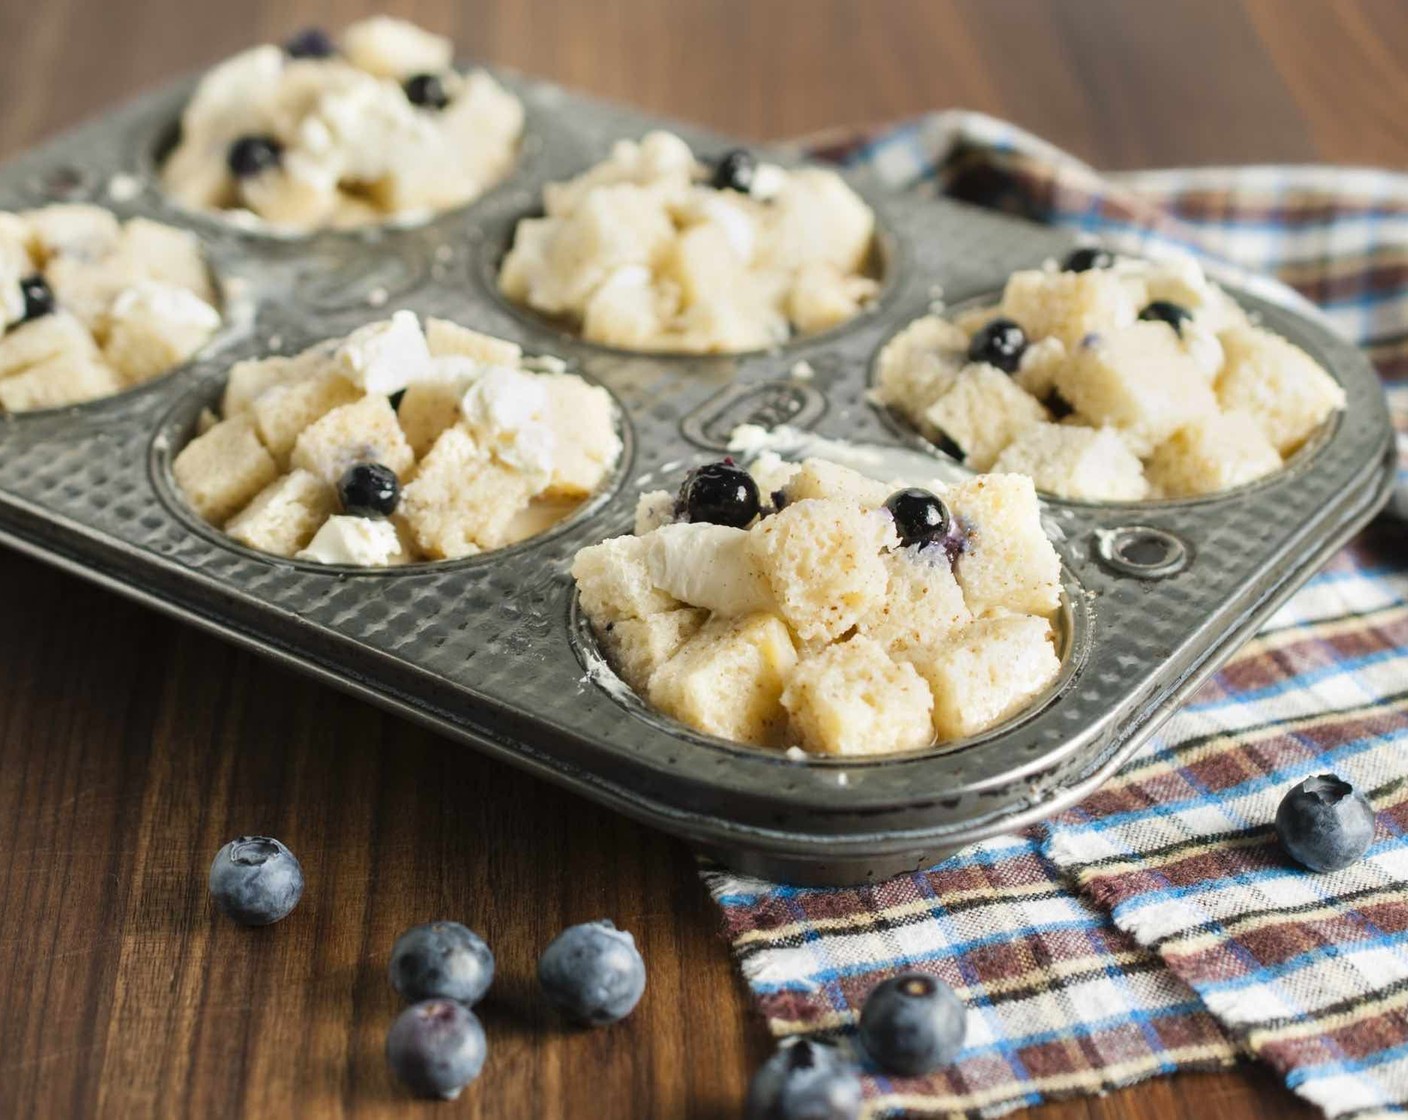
pixel 427 410
pixel 75 230
pixel 283 516
pixel 702 261
pixel 248 378
pixel 992 670
pixel 283 411
pixel 852 699
pixel 823 479
pixel 1214 453
pixel 1278 383
pixel 298 194
pixel 395 48
pixel 167 255
pixel 982 412
pixel 1007 565
pixel 709 566
pixel 823 562
pixel 446 339
pixel 1071 305
pixel 922 604
pixel 1139 379
pixel 43 338
pixel 918 365
pixel 728 679
pixel 625 311
pixel 57 381
pixel 585 444
pixel 611 228
pixel 86 288
pixel 823 297
pixel 221 471
pixel 637 647
pixel 361 432
pixel 1088 464
pixel 462 500
pixel 1036 373
pixel 613 581
pixel 817 218
pixel 153 327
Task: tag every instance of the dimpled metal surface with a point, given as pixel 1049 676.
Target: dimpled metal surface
pixel 491 651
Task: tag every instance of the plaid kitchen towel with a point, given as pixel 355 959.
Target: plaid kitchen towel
pixel 1158 928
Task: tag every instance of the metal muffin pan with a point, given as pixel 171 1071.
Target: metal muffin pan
pixel 492 652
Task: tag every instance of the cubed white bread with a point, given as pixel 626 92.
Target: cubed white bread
pixel 1139 379
pixel 920 363
pixel 823 479
pixel 853 699
pixel 250 377
pixel 283 410
pixel 15 240
pixel 709 566
pixel 428 409
pixel 1036 373
pixel 627 310
pixel 703 260
pixel 40 339
pixel 167 255
pixel 613 581
pixel 730 322
pixel 823 562
pixel 1278 383
pixel 153 327
pixel 1089 464
pixel 982 412
pixel 86 288
pixel 823 297
pixel 446 339
pixel 992 670
pixel 61 380
pixel 817 218
pixel 364 431
pixel 636 647
pixel 72 230
pixel 1007 565
pixel 585 444
pixel 1214 453
pixel 922 604
pixel 296 194
pixel 221 471
pixel 728 679
pixel 283 516
pixel 395 48
pixel 1071 305
pixel 461 500
pixel 654 508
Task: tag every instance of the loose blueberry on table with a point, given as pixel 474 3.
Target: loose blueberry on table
pixel 592 973
pixel 1001 343
pixel 1166 311
pixel 251 156
pixel 38 297
pixel 369 490
pixel 436 1048
pixel 441 960
pixel 1325 823
pixel 427 91
pixel 1084 259
pixel 804 1080
pixel 735 171
pixel 256 880
pixel 721 493
pixel 912 1024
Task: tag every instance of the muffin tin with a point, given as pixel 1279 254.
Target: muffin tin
pixel 491 650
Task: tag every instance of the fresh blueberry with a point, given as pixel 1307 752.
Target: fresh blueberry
pixel 250 156
pixel 1325 823
pixel 427 91
pixel 369 490
pixel 38 297
pixel 804 1080
pixel 256 880
pixel 1165 311
pixel 1084 259
pixel 920 517
pixel 436 1048
pixel 441 960
pixel 592 973
pixel 912 1024
pixel 1001 343
pixel 311 42
pixel 722 493
pixel 735 171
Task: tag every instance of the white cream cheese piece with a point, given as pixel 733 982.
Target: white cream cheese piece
pixel 385 357
pixel 360 542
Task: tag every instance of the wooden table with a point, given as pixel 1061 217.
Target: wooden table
pixel 132 747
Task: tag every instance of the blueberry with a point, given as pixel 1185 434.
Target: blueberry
pixel 1084 259
pixel 436 1048
pixel 912 1024
pixel 1001 343
pixel 1325 823
pixel 920 517
pixel 735 171
pixel 721 493
pixel 804 1080
pixel 441 960
pixel 592 973
pixel 311 42
pixel 256 880
pixel 427 91
pixel 1165 311
pixel 38 297
pixel 250 156
pixel 369 490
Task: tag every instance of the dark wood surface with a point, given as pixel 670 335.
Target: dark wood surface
pixel 132 747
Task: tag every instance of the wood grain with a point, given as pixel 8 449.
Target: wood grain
pixel 131 747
